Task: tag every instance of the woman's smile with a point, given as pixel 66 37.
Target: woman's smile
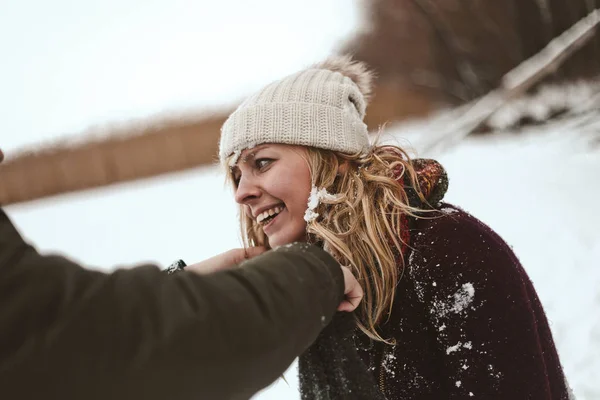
pixel 273 183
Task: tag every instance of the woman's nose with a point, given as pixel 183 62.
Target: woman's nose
pixel 247 190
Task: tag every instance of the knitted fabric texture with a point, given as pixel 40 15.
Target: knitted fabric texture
pixel 315 107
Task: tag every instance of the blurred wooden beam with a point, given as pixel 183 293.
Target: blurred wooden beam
pixel 128 153
pixel 428 55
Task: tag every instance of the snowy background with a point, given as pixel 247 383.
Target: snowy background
pixel 67 65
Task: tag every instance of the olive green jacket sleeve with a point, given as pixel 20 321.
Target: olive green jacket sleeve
pixel 72 333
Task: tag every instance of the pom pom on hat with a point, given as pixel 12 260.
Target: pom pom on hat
pixel 357 71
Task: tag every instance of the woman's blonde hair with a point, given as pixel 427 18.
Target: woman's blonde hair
pixel 361 228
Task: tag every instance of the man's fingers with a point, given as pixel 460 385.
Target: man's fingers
pixel 240 255
pixel 353 292
pixel 345 307
pixel 352 300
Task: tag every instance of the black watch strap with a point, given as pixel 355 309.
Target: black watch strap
pixel 177 266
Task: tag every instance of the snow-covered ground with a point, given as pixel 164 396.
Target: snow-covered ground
pixel 69 65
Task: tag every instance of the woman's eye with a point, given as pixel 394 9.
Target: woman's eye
pixel 263 162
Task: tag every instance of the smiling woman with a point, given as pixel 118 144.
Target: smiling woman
pixel 448 311
pixel 272 183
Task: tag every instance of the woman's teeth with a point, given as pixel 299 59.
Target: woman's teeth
pixel 272 212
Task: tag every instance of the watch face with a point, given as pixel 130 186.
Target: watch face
pixel 177 266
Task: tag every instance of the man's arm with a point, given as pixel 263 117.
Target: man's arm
pixel 73 333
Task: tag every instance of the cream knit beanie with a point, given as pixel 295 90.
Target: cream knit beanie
pixel 322 106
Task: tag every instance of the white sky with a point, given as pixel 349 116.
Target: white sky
pixel 68 64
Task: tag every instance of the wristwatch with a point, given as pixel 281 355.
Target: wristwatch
pixel 175 267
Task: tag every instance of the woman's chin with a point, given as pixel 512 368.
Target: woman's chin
pixel 277 240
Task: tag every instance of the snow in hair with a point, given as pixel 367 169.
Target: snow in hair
pixel 357 71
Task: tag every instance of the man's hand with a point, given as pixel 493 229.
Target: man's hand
pixel 352 290
pixel 1 156
pixel 225 260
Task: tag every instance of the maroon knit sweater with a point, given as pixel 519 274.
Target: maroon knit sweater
pixel 466 320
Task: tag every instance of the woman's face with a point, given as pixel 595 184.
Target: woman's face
pixel 272 183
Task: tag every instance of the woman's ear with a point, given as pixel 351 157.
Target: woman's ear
pixel 342 168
